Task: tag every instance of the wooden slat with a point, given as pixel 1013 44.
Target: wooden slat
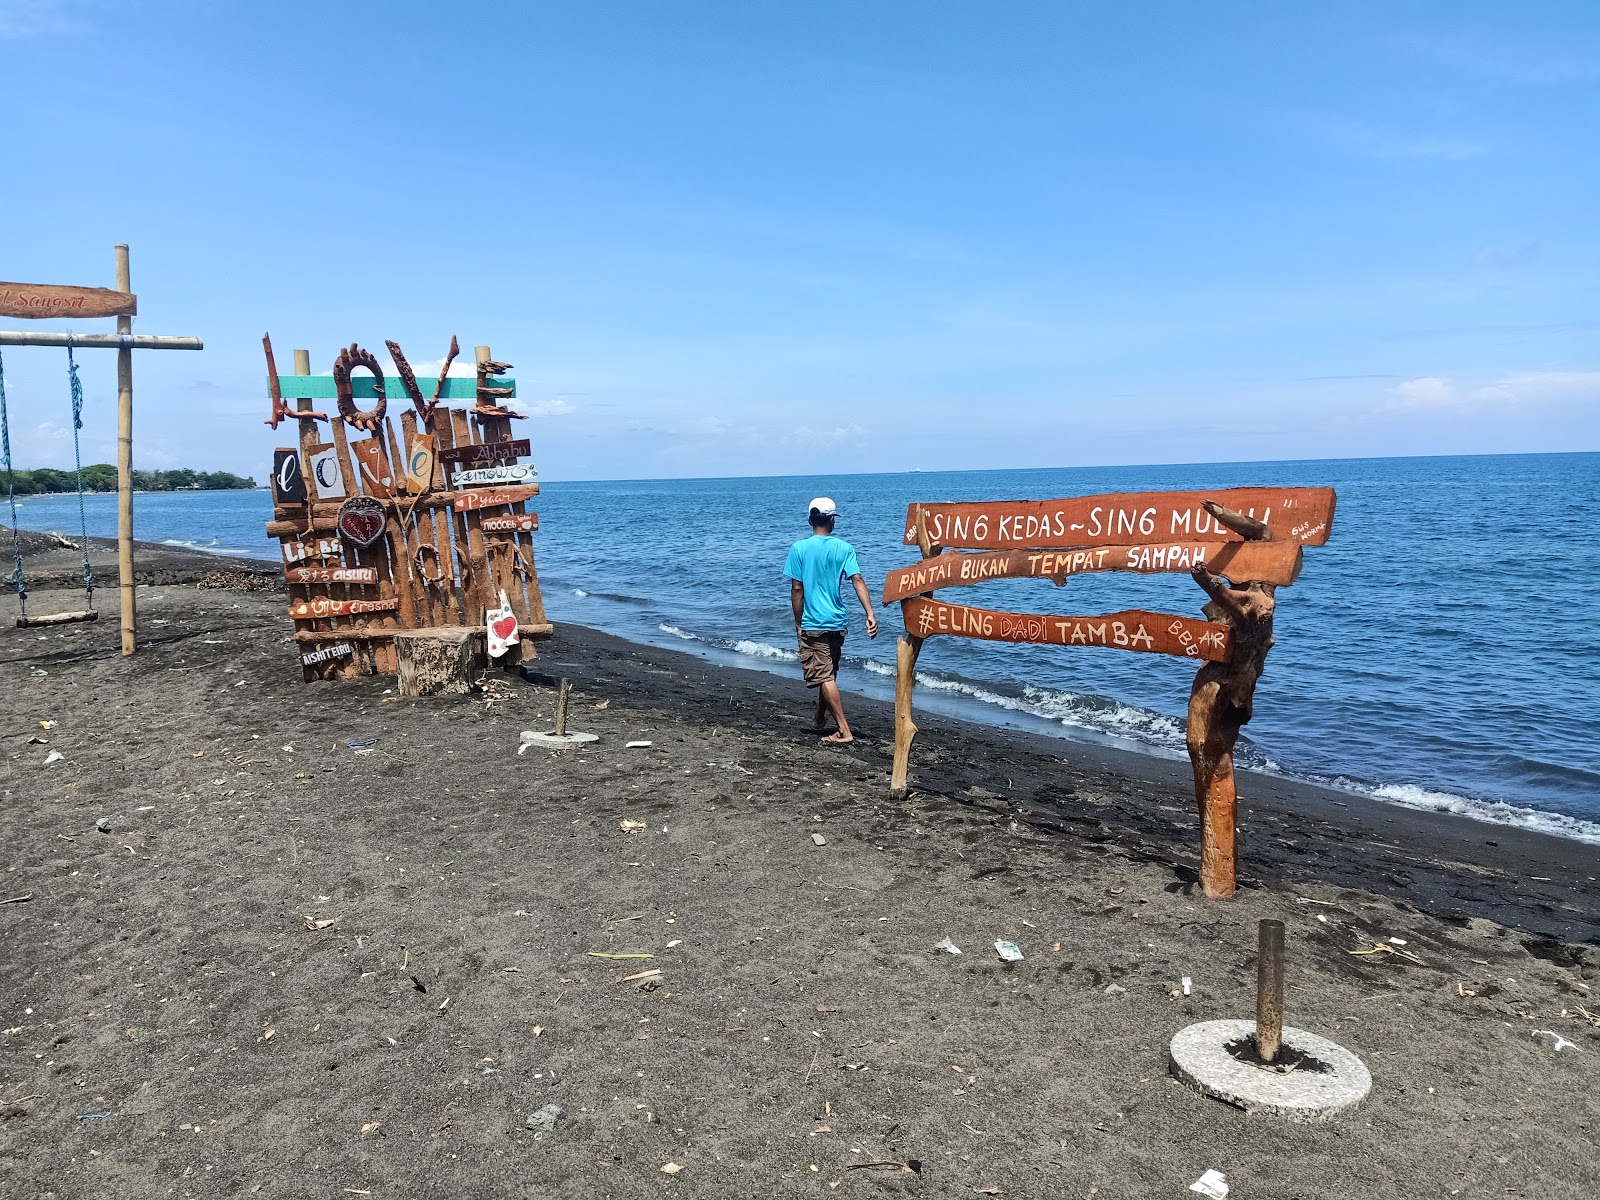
pixel 1243 562
pixel 1146 632
pixel 517 523
pixel 331 575
pixel 486 451
pixel 1303 515
pixel 309 610
pixel 492 497
pixel 321 387
pixel 35 301
pixel 511 473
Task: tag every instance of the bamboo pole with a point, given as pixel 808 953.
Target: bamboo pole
pixel 101 341
pixel 130 617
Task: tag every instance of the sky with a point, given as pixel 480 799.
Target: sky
pixel 756 239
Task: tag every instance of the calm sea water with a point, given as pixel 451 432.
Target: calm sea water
pixel 1442 651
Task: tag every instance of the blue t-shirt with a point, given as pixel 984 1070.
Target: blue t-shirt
pixel 819 562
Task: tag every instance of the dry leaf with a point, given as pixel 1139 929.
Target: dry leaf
pixel 640 975
pixel 313 923
pixel 603 705
pixel 630 826
pixel 671 1169
pixel 266 1035
pixel 371 1126
pixel 987 1191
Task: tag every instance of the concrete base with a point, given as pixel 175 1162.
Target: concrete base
pixel 554 741
pixel 1200 1058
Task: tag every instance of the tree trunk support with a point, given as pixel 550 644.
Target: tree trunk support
pixel 905 677
pixel 440 661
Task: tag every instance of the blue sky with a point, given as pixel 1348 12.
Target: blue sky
pixel 739 238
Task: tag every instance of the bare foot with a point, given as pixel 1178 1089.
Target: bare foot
pixel 839 739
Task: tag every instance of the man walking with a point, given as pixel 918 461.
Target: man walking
pixel 816 565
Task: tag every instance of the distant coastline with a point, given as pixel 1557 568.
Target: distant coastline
pixel 102 477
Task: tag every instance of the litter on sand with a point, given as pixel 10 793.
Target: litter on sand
pixel 631 826
pixel 1213 1184
pixel 603 954
pixel 947 946
pixel 636 745
pixel 818 839
pixel 1008 951
pixel 1188 985
pixel 1561 1043
pixel 362 743
pixel 54 756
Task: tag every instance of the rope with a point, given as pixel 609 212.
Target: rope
pixel 77 457
pixel 17 579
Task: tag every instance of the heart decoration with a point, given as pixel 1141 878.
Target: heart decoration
pixel 502 627
pixel 362 520
pixel 505 627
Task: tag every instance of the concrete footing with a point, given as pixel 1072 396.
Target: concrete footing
pixel 1217 1059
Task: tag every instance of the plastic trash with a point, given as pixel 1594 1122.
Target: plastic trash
pixel 636 745
pixel 1561 1043
pixel 1188 985
pixel 1213 1183
pixel 1008 951
pixel 947 946
pixel 54 756
pixel 818 839
pixel 362 743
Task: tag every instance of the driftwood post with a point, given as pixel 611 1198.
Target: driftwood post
pixel 563 700
pixel 906 652
pixel 1221 701
pixel 440 661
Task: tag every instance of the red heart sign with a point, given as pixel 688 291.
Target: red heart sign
pixel 505 627
pixel 362 520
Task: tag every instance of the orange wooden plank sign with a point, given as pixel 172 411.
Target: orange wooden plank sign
pixel 419 462
pixel 331 575
pixel 1303 515
pixel 1148 632
pixel 489 497
pixel 372 464
pixel 486 452
pixel 515 523
pixel 311 610
pixel 1242 562
pixel 56 300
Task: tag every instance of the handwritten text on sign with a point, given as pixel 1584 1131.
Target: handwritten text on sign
pixel 55 300
pixel 309 610
pixel 1263 562
pixel 488 497
pixel 1149 632
pixel 331 575
pixel 514 473
pixel 311 659
pixel 1302 515
pixel 515 523
pixel 486 451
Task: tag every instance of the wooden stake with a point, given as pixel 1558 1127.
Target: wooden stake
pixel 130 619
pixel 563 698
pixel 905 729
pixel 1269 990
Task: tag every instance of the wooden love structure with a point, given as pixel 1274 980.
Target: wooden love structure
pixel 1239 544
pixel 397 544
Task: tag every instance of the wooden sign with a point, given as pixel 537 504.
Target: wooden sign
pixel 1149 632
pixel 1242 562
pixel 515 523
pixel 485 452
pixel 322 550
pixel 467 501
pixel 35 300
pixel 331 575
pixel 288 483
pixel 514 473
pixel 310 610
pixel 362 520
pixel 1303 515
pixel 419 462
pixel 313 657
pixel 373 465
pixel 325 472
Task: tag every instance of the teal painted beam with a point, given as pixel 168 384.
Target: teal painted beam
pixel 320 387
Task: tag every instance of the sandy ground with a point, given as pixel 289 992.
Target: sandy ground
pixel 296 968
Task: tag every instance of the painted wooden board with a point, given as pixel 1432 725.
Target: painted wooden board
pixel 321 387
pixel 325 653
pixel 325 473
pixel 474 452
pixel 331 575
pixel 419 462
pixel 489 497
pixel 1242 562
pixel 322 606
pixel 1147 632
pixel 515 523
pixel 321 550
pixel 36 300
pixel 376 478
pixel 513 473
pixel 1303 515
pixel 288 480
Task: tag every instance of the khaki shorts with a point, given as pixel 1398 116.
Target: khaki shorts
pixel 819 654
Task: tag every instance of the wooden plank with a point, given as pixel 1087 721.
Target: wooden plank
pixel 377 480
pixel 325 474
pixel 469 501
pixel 511 473
pixel 419 460
pixel 1243 562
pixel 331 575
pixel 516 523
pixel 323 654
pixel 40 300
pixel 473 452
pixel 477 576
pixel 1134 629
pixel 311 610
pixel 1303 515
pixel 288 479
pixel 321 387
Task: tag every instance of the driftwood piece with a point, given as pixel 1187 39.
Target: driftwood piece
pixel 408 379
pixel 61 618
pixel 906 652
pixel 280 410
pixel 1220 705
pixel 443 660
pixel 350 358
pixel 487 368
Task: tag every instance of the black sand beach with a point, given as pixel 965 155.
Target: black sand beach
pixel 291 967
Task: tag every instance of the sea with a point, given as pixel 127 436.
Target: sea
pixel 1442 651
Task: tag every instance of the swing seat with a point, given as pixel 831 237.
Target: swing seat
pixel 64 618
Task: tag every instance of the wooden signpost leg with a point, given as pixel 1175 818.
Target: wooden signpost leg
pixel 905 729
pixel 130 620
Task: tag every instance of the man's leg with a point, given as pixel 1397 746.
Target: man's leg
pixel 820 723
pixel 829 695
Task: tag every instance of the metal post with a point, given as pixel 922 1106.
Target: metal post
pixel 1269 991
pixel 130 619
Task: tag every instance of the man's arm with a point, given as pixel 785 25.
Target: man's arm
pixel 797 600
pixel 865 597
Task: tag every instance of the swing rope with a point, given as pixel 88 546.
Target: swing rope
pixel 77 460
pixel 18 580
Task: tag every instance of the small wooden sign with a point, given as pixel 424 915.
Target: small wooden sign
pixel 488 498
pixel 419 462
pixel 322 550
pixel 325 472
pixel 35 300
pixel 324 654
pixel 1303 515
pixel 288 482
pixel 486 451
pixel 373 464
pixel 1148 632
pixel 511 473
pixel 515 523
pixel 322 606
pixel 331 575
pixel 1242 562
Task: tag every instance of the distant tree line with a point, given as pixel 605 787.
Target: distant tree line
pixel 102 477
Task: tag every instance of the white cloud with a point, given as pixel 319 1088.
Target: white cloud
pixel 39 18
pixel 837 436
pixel 547 408
pixel 1524 389
pixel 1428 392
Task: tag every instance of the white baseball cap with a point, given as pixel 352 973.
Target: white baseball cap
pixel 823 506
